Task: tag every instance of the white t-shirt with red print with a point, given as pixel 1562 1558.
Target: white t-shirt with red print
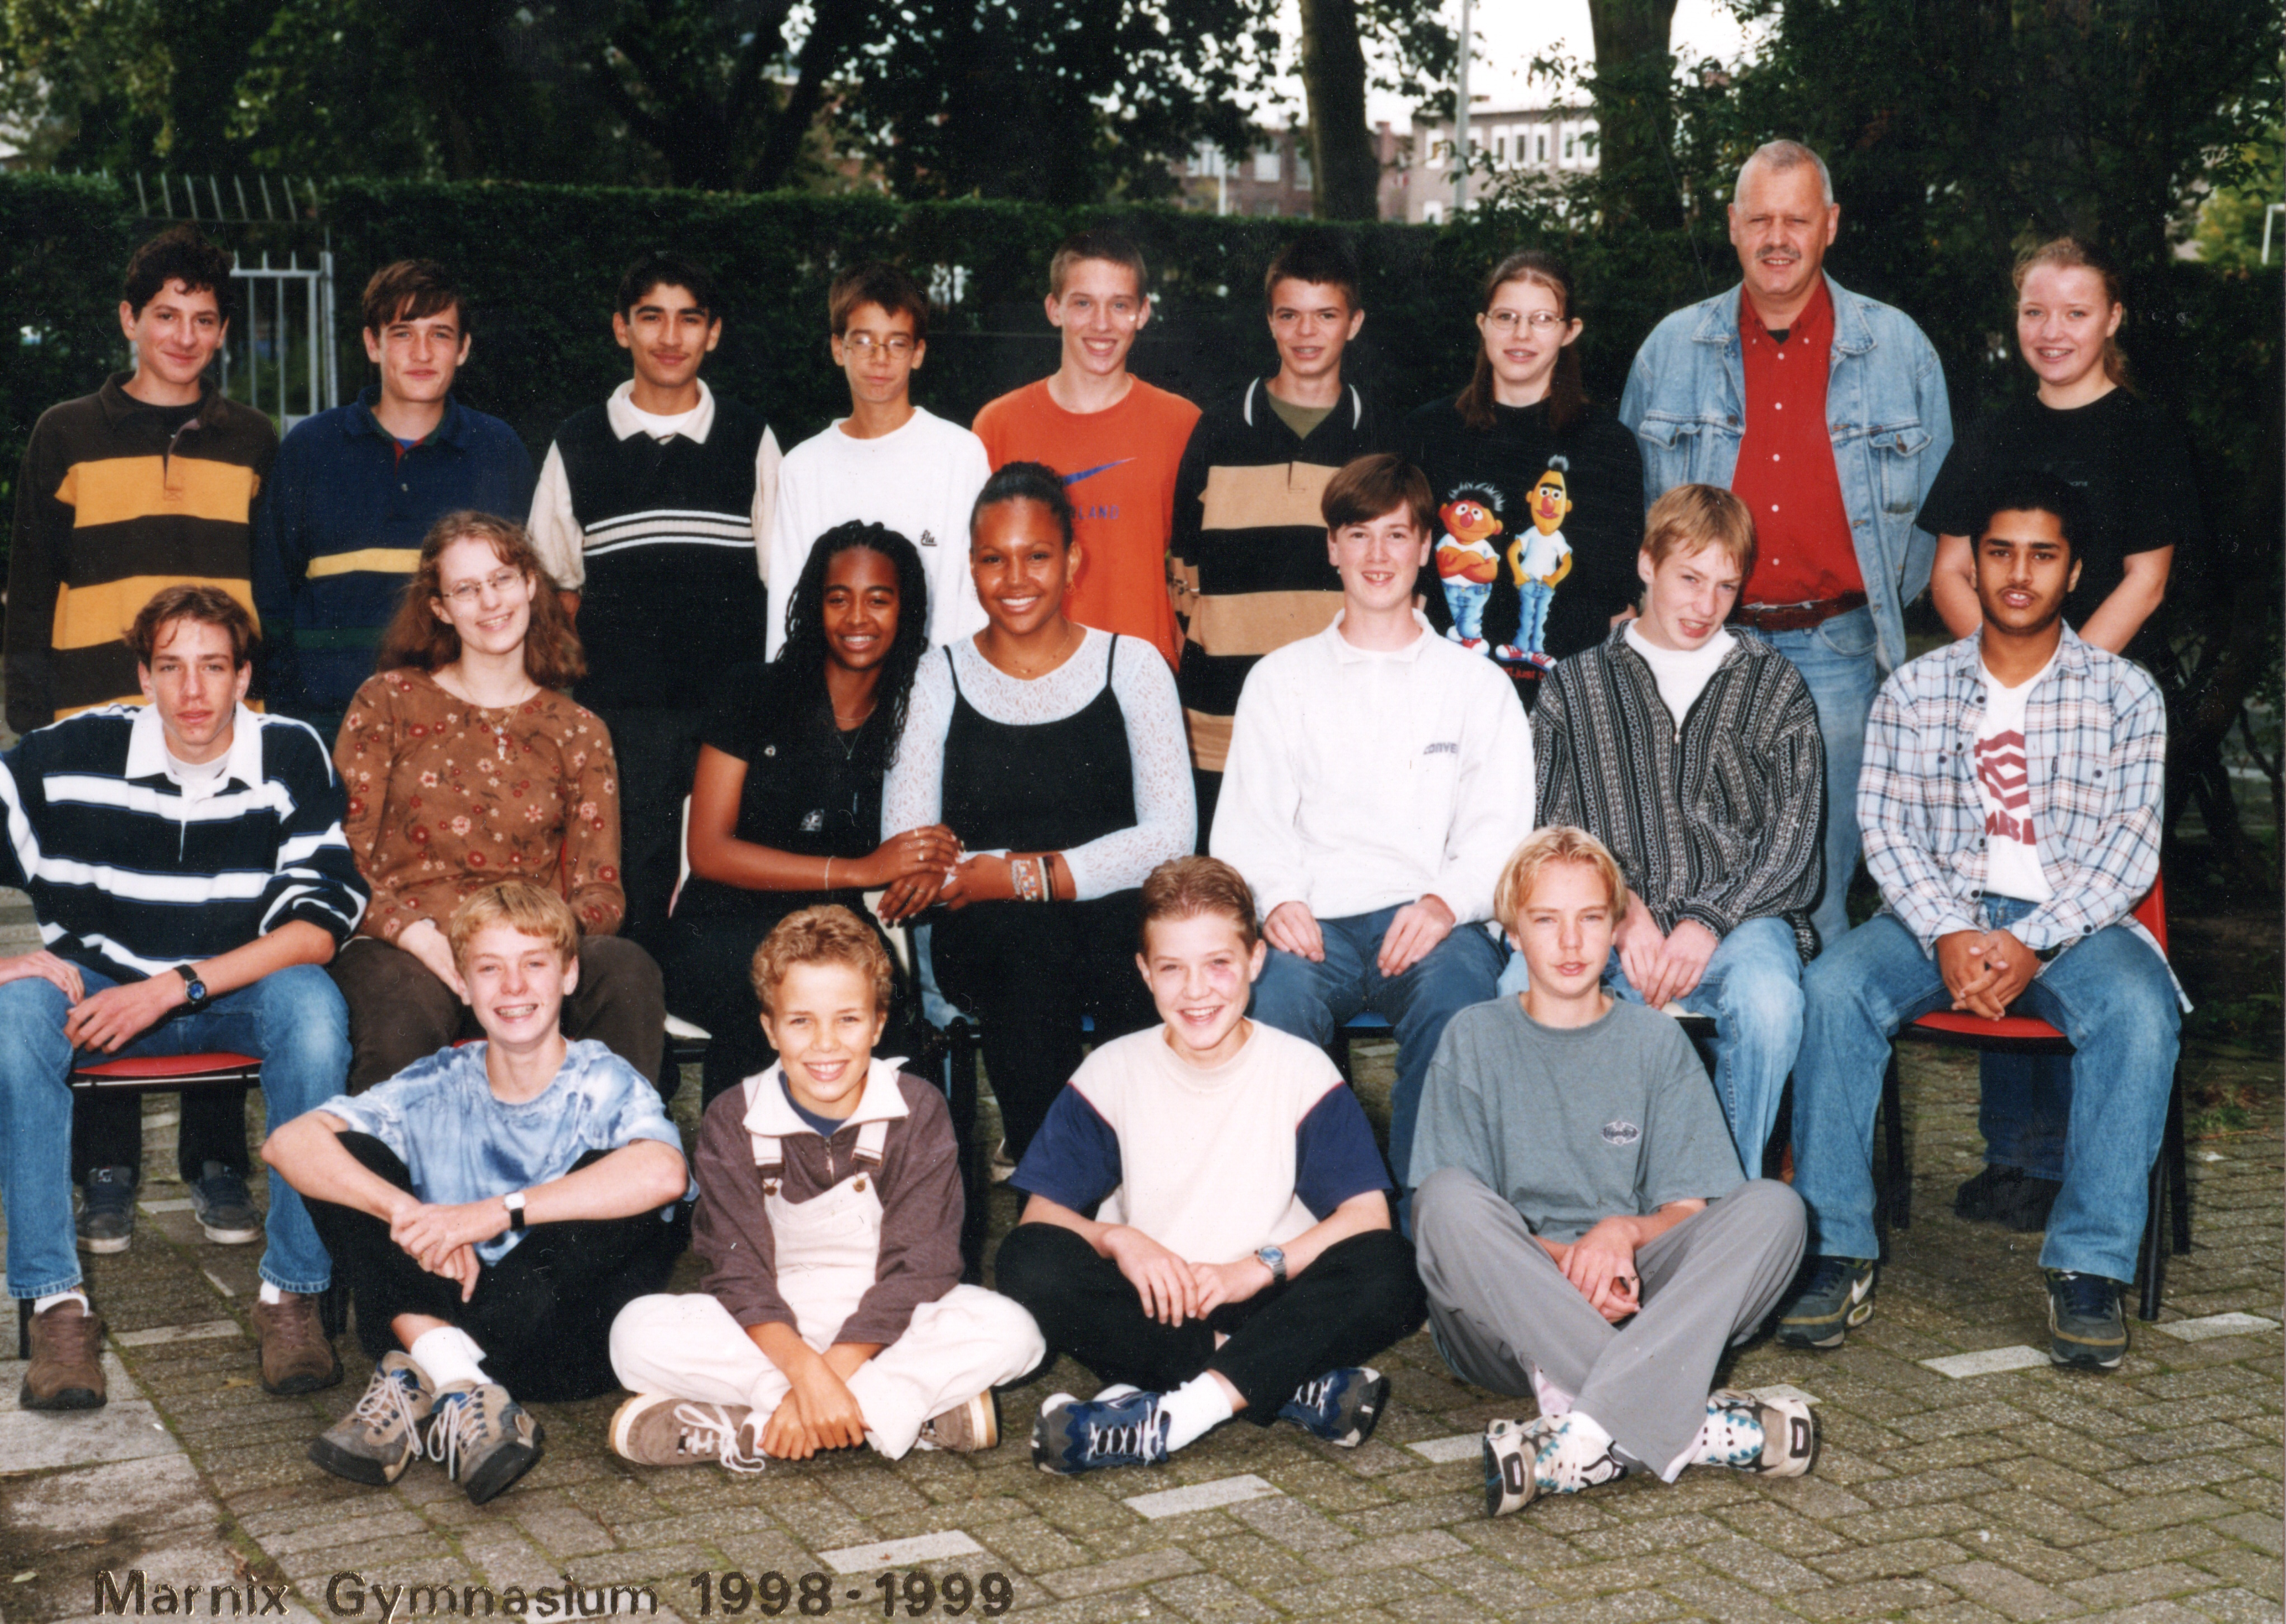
pixel 2012 865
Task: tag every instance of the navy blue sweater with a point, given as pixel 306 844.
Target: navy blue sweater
pixel 338 530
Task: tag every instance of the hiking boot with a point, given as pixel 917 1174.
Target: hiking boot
pixel 107 1209
pixel 296 1355
pixel 1341 1406
pixel 2086 1331
pixel 968 1426
pixel 2008 1196
pixel 1835 1293
pixel 1075 1435
pixel 1775 1438
pixel 485 1440
pixel 225 1207
pixel 657 1429
pixel 67 1368
pixel 379 1439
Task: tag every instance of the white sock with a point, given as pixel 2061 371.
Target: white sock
pixel 43 1303
pixel 272 1295
pixel 446 1355
pixel 1554 1402
pixel 1194 1409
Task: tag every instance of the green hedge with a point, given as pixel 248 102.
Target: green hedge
pixel 64 244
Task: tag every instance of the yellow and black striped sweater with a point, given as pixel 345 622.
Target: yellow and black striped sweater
pixel 118 499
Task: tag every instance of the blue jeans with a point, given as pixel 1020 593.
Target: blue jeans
pixel 1753 988
pixel 1835 658
pixel 1532 599
pixel 1467 600
pixel 292 1020
pixel 2109 994
pixel 1313 1000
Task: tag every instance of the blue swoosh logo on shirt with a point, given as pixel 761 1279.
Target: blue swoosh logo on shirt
pixel 1073 479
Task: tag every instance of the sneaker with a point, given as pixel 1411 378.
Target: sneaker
pixel 67 1368
pixel 1341 1407
pixel 1835 1293
pixel 107 1209
pixel 485 1440
pixel 296 1355
pixel 2086 1331
pixel 1080 1435
pixel 968 1426
pixel 378 1440
pixel 225 1207
pixel 1774 1438
pixel 657 1429
pixel 1511 1463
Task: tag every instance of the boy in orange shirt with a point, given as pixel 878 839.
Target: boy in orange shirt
pixel 1114 439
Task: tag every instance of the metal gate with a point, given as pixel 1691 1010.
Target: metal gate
pixel 280 360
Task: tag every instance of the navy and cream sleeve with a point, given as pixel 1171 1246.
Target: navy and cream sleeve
pixel 1335 1157
pixel 1073 1159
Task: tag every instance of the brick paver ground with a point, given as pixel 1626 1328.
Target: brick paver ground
pixel 2029 1494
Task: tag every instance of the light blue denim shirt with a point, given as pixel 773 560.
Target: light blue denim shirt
pixel 462 1142
pixel 1885 407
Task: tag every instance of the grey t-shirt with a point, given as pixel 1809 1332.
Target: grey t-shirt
pixel 1573 1125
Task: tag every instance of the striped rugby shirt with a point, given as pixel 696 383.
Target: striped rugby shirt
pixel 1251 572
pixel 116 502
pixel 666 542
pixel 130 877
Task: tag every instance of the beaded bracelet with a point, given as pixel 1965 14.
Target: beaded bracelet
pixel 1024 878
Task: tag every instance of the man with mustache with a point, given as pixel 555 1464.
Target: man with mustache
pixel 1826 414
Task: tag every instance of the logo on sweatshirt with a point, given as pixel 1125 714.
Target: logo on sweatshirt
pixel 1622 1133
pixel 929 538
pixel 1443 746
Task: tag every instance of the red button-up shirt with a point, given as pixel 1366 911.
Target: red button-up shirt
pixel 1785 474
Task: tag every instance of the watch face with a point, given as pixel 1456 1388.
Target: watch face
pixel 198 992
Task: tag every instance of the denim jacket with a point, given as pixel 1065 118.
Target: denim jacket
pixel 1886 408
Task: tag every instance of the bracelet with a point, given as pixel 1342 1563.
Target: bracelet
pixel 829 873
pixel 1048 885
pixel 1024 878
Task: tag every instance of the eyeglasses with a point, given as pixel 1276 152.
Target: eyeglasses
pixel 1507 321
pixel 898 346
pixel 500 583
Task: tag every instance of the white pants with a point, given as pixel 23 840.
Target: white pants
pixel 956 1347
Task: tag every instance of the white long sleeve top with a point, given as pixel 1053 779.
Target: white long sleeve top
pixel 1359 780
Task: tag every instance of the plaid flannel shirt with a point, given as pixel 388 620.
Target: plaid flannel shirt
pixel 2096 742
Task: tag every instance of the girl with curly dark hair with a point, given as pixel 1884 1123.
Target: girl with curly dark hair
pixel 785 808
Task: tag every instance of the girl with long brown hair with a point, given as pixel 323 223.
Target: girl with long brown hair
pixel 1540 494
pixel 465 766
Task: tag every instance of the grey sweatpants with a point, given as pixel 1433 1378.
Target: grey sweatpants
pixel 1499 1306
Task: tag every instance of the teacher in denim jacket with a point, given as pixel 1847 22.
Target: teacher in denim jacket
pixel 1825 412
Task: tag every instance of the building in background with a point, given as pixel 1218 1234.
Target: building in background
pixel 1271 181
pixel 1416 170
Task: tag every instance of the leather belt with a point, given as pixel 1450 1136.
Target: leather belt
pixel 1795 617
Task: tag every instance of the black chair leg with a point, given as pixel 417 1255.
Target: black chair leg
pixel 964 1055
pixel 2154 1246
pixel 2176 1155
pixel 1899 1198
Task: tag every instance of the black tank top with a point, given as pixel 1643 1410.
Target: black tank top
pixel 1044 786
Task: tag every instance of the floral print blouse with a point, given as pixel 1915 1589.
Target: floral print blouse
pixel 447 797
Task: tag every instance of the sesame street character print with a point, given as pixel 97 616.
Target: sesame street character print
pixel 1540 559
pixel 1467 563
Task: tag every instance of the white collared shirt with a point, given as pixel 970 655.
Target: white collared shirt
pixel 1360 779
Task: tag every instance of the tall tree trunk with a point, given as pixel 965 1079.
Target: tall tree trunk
pixel 1344 171
pixel 1632 108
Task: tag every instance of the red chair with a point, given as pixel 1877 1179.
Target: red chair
pixel 2171 1191
pixel 167 1074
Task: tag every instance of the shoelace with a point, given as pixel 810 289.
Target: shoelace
pixel 1832 1272
pixel 707 1430
pixel 2087 1295
pixel 1316 1393
pixel 390 1402
pixel 457 1422
pixel 1133 1437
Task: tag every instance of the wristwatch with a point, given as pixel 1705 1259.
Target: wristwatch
pixel 1272 1258
pixel 195 993
pixel 514 1201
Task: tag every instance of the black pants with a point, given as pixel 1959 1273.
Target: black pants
pixel 656 751
pixel 1207 788
pixel 1360 1295
pixel 400 1013
pixel 107 1131
pixel 542 1314
pixel 708 965
pixel 1028 970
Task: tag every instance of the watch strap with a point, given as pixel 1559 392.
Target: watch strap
pixel 514 1201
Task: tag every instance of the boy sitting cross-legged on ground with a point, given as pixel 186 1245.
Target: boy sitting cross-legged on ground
pixel 1584 1233
pixel 829 1220
pixel 1241 1259
pixel 491 1207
